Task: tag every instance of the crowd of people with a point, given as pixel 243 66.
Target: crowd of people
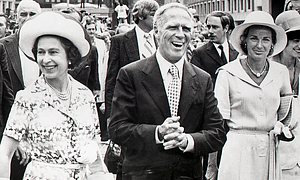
pixel 183 99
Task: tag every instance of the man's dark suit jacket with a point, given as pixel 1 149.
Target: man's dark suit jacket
pixel 207 58
pixel 6 92
pixel 140 104
pixel 124 50
pixel 10 47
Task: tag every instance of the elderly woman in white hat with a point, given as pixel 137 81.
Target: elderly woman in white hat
pixel 290 57
pixel 248 92
pixel 56 115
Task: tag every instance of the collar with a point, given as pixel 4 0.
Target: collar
pixel 165 65
pixel 225 45
pixel 141 33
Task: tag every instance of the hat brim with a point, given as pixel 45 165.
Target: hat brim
pixel 281 39
pixel 296 28
pixel 52 23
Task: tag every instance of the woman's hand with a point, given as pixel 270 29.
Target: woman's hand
pixel 280 128
pixel 88 153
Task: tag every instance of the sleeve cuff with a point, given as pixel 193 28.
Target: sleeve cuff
pixel 190 144
pixel 156 137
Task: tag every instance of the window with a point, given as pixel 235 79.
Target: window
pixel 213 6
pixel 242 4
pixel 235 5
pixel 229 7
pixel 249 4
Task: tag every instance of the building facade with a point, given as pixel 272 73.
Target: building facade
pixel 5 4
pixel 239 9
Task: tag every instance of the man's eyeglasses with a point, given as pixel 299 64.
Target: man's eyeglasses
pixel 25 14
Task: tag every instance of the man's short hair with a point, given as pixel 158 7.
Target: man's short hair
pixel 139 7
pixel 29 3
pixel 158 17
pixel 223 17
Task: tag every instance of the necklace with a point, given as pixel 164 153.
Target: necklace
pixel 258 75
pixel 64 96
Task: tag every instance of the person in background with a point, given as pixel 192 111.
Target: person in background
pixel 87 72
pixel 129 47
pixel 102 68
pixel 248 92
pixel 290 57
pixel 56 114
pixel 164 113
pixel 121 10
pixel 218 51
pixel 209 57
pixel 231 25
pixel 22 72
pixel 3 26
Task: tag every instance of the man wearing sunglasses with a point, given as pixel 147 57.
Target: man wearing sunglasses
pixel 22 71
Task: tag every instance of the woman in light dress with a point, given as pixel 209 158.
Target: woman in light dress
pixel 248 92
pixel 56 114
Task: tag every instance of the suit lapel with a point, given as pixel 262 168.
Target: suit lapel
pixel 131 45
pixel 232 53
pixel 154 85
pixel 212 52
pixel 13 57
pixel 188 89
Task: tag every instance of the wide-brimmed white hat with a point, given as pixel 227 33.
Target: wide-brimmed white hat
pixel 53 23
pixel 289 20
pixel 259 18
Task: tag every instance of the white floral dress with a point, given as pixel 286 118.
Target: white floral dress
pixel 53 133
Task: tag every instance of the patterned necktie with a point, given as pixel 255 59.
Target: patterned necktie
pixel 173 91
pixel 148 47
pixel 223 57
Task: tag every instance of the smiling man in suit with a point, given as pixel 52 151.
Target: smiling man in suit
pixel 164 112
pixel 130 47
pixel 218 51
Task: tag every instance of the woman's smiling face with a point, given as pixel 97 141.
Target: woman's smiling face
pixel 259 42
pixel 52 57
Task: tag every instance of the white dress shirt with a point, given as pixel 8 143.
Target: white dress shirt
pixel 141 40
pixel 164 67
pixel 225 49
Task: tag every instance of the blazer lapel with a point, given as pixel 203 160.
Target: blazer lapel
pixel 131 45
pixel 13 57
pixel 153 84
pixel 188 89
pixel 212 52
pixel 232 53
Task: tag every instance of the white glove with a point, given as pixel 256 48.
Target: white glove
pixel 88 153
pixel 280 128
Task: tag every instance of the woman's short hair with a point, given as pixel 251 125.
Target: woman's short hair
pixel 139 7
pixel 72 52
pixel 245 35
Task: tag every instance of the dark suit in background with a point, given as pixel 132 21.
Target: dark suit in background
pixel 6 92
pixel 207 58
pixel 124 50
